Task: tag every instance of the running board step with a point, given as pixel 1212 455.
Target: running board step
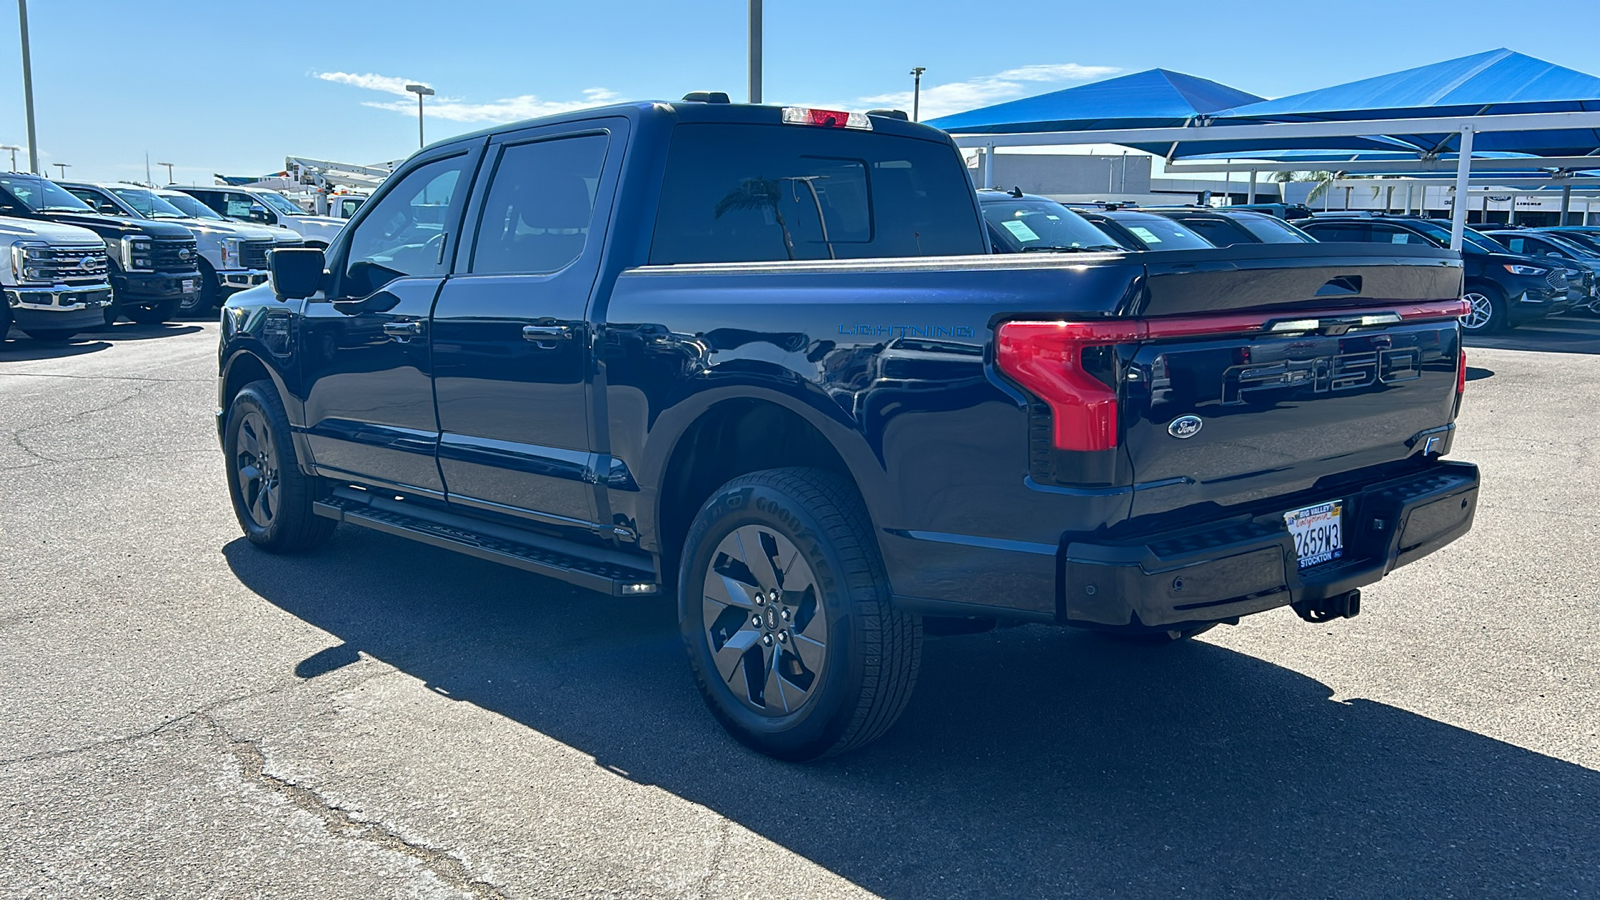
pixel 596 575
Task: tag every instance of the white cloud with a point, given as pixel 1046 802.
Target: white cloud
pixel 959 96
pixel 455 109
pixel 386 83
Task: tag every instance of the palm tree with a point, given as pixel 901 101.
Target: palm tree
pixel 759 194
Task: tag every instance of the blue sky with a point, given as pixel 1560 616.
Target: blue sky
pixel 234 87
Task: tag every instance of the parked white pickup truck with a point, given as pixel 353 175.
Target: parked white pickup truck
pixel 263 207
pixel 54 279
pixel 233 255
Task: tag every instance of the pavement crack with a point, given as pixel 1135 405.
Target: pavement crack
pixel 342 823
pixel 714 866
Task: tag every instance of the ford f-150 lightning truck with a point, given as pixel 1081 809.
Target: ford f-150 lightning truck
pixel 760 360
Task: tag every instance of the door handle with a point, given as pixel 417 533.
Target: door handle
pixel 402 329
pixel 541 334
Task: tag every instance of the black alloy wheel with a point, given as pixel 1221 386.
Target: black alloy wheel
pixel 272 497
pixel 785 613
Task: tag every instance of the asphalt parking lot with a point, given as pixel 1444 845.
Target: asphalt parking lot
pixel 185 716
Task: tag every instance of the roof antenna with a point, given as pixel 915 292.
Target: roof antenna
pixel 1016 192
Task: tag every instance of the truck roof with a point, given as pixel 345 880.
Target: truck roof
pixel 675 111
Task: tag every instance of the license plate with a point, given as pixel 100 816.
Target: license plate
pixel 1318 532
pixel 188 285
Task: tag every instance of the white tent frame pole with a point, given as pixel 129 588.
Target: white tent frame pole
pixel 1458 212
pixel 988 165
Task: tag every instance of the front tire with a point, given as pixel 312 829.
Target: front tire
pixel 272 497
pixel 784 608
pixel 1489 312
pixel 209 296
pixel 155 313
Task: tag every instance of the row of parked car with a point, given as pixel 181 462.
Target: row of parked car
pixel 1512 276
pixel 82 255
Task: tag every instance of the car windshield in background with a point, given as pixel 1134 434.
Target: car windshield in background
pixel 147 204
pixel 759 193
pixel 1565 242
pixel 40 194
pixel 279 203
pixel 1028 225
pixel 1589 242
pixel 190 207
pixel 1273 230
pixel 1477 240
pixel 1159 232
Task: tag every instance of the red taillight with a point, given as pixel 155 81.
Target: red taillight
pixel 1461 374
pixel 1047 359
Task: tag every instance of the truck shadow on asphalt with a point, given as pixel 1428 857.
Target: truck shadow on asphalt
pixel 1574 333
pixel 21 348
pixel 1032 761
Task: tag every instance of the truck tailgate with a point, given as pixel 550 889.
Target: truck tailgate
pixel 1229 419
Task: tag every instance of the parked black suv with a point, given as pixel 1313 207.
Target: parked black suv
pixel 154 265
pixel 1504 288
pixel 1228 226
pixel 1025 223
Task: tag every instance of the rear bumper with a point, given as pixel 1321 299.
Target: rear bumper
pixel 1248 564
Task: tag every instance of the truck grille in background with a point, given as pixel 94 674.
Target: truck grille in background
pixel 291 243
pixel 78 264
pixel 1557 279
pixel 169 256
pixel 253 254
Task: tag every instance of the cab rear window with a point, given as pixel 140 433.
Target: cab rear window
pixel 760 193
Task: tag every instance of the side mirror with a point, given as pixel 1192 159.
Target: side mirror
pixel 108 209
pixel 296 272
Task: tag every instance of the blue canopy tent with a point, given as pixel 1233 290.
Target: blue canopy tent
pixel 1497 82
pixel 1141 100
pixel 1505 101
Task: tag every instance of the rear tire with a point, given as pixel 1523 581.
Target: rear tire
pixel 1490 312
pixel 5 320
pixel 272 497
pixel 785 613
pixel 154 313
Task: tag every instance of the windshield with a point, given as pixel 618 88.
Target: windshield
pixel 1159 232
pixel 190 207
pixel 1590 243
pixel 1273 230
pixel 146 203
pixel 41 195
pixel 279 203
pixel 1566 243
pixel 1020 225
pixel 1478 241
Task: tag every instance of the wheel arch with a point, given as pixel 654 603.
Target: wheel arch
pixel 736 434
pixel 243 367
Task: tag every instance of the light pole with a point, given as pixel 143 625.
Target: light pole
pixel 916 92
pixel 421 90
pixel 63 167
pixel 169 170
pixel 755 51
pixel 27 88
pixel 13 154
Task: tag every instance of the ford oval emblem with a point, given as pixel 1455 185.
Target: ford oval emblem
pixel 1185 427
pixel 183 254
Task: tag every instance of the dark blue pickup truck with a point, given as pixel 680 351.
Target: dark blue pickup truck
pixel 759 359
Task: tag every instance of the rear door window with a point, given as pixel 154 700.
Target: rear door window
pixel 540 204
pixel 1390 234
pixel 757 193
